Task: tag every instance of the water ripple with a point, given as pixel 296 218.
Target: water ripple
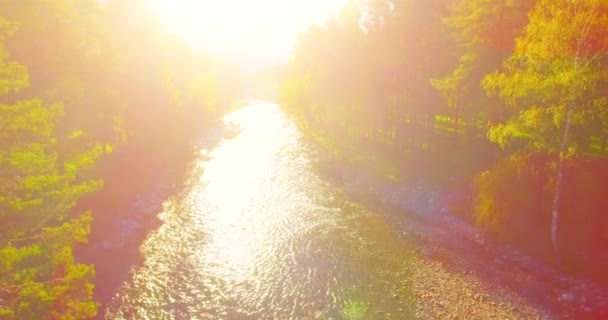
pixel 253 238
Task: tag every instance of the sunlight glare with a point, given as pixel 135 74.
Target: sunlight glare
pixel 235 28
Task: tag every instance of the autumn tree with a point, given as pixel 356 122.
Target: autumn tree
pixel 551 83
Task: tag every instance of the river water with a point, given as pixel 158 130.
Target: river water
pixel 258 234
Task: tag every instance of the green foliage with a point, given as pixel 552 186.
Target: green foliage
pixel 485 32
pixel 553 69
pixel 91 80
pixel 39 278
pixel 353 78
pixel 13 76
pixel 530 76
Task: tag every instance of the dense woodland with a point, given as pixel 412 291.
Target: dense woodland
pixel 506 101
pixel 86 88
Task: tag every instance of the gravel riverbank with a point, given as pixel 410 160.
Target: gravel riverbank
pixel 459 274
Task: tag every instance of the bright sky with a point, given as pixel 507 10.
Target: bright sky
pixel 251 31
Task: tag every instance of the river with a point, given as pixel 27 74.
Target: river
pixel 259 233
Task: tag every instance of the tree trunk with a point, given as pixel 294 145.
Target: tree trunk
pixel 559 181
pixel 562 154
pixel 540 187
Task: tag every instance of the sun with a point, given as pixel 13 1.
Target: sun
pixel 242 27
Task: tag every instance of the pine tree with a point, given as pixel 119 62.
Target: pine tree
pixel 39 278
pixel 485 31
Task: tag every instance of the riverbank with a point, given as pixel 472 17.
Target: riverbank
pixel 459 270
pixel 136 186
pixel 124 212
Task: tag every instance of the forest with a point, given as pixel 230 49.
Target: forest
pixel 85 89
pixel 505 103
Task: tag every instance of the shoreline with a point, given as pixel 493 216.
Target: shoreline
pixel 120 227
pixel 420 212
pixel 126 210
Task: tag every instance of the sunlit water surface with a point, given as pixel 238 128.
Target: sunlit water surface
pixel 257 234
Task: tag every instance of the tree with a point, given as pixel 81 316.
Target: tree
pixel 485 31
pixel 39 278
pixel 551 83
